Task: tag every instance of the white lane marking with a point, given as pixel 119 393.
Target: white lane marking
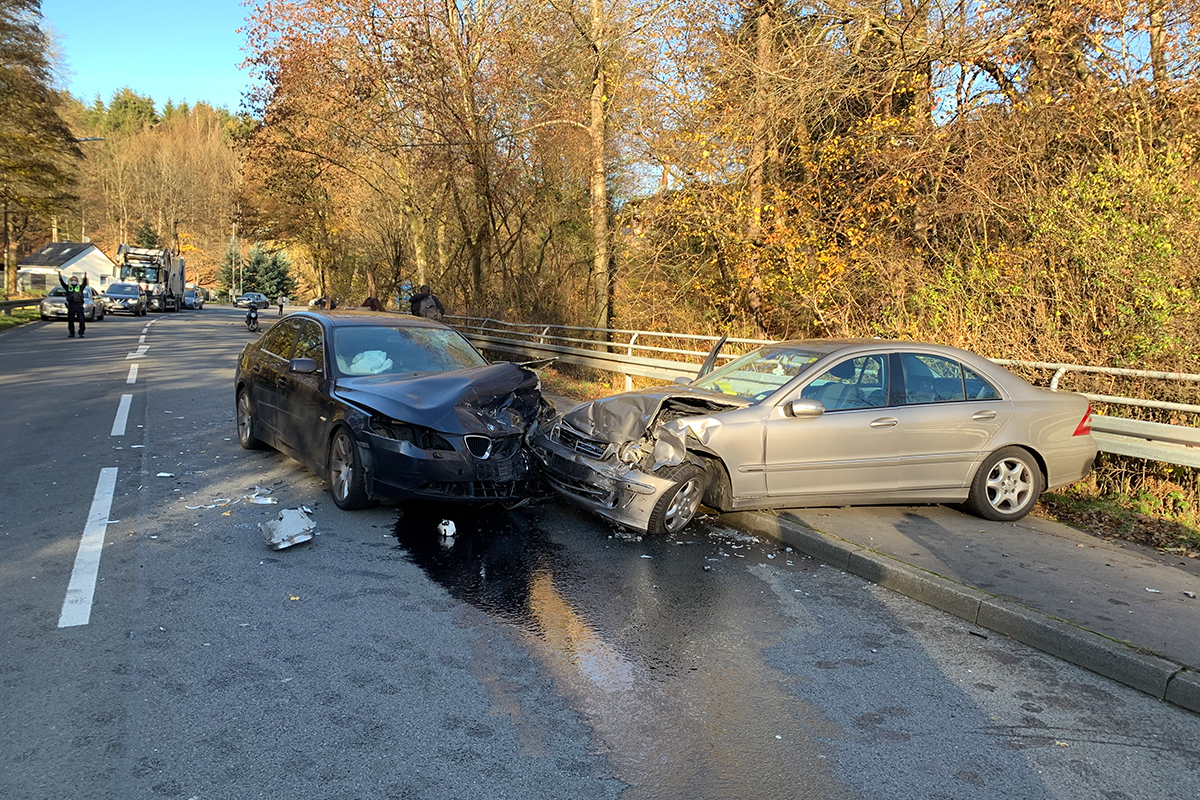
pixel 132 374
pixel 145 329
pixel 141 351
pixel 77 605
pixel 118 428
pixel 142 339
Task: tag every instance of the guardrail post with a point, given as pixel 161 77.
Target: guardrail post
pixel 542 338
pixel 629 352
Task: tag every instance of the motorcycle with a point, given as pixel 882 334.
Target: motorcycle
pixel 252 319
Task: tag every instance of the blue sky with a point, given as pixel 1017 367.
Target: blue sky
pixel 168 49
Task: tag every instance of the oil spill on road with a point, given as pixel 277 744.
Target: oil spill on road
pixel 663 660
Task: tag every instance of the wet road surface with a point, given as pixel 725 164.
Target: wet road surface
pixel 537 655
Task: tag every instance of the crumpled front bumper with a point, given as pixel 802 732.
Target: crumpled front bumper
pixel 399 470
pixel 608 487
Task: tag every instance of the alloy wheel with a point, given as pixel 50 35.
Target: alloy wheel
pixel 1010 485
pixel 683 505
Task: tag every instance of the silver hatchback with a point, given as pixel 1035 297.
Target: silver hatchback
pixel 821 423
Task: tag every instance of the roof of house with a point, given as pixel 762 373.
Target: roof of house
pixel 54 254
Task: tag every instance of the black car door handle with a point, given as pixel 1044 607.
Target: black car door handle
pixel 281 381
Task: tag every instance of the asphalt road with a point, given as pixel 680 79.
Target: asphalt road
pixel 541 654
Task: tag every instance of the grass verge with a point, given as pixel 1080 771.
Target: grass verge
pixel 1116 518
pixel 19 317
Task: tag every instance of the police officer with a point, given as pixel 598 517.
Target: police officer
pixel 74 291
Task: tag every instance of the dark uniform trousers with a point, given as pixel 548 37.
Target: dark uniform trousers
pixel 75 312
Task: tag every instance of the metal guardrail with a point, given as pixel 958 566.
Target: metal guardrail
pixel 7 306
pixel 1172 444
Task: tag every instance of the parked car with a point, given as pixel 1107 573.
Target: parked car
pixel 54 305
pixel 389 407
pixel 255 299
pixel 193 299
pixel 821 423
pixel 129 298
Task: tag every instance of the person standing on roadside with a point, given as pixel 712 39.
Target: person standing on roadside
pixel 74 291
pixel 425 304
pixel 282 300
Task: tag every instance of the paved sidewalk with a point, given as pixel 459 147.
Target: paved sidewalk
pixel 997 572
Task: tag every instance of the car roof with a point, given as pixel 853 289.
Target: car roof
pixel 354 317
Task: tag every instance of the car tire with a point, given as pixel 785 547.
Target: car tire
pixel 347 483
pixel 679 504
pixel 45 318
pixel 1006 486
pixel 245 422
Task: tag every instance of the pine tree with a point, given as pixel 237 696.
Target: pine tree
pixel 229 275
pixel 37 149
pixel 257 263
pixel 275 278
pixel 146 236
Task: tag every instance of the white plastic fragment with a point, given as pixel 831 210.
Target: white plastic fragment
pixel 1153 591
pixel 645 556
pixel 1190 594
pixel 446 528
pixel 166 475
pixel 292 526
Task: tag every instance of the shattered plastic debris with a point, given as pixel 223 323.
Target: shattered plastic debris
pixel 254 497
pixel 446 529
pixel 292 526
pixel 1153 591
pixel 166 475
pixel 1190 594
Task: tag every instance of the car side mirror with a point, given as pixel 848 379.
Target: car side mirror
pixel 682 380
pixel 304 366
pixel 805 409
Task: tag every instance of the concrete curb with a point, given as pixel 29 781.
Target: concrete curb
pixel 1159 677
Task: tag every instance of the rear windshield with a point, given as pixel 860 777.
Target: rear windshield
pixel 384 350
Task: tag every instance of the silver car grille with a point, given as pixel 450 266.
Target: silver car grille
pixel 584 445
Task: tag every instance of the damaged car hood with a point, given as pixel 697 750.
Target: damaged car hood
pixel 494 400
pixel 629 416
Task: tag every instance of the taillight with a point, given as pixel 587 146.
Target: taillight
pixel 1085 424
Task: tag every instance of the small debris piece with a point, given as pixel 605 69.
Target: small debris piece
pixel 1062 744
pixel 645 556
pixel 977 633
pixel 166 475
pixel 1153 591
pixel 292 526
pixel 446 528
pixel 1190 594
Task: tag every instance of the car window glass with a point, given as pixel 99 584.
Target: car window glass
pixel 384 350
pixel 759 374
pixel 280 339
pixel 310 343
pixel 931 379
pixel 855 383
pixel 977 387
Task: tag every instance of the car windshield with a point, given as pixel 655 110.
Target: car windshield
pixel 384 350
pixel 58 291
pixel 757 375
pixel 122 290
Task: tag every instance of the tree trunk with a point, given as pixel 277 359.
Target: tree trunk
pixel 759 147
pixel 601 277
pixel 1158 57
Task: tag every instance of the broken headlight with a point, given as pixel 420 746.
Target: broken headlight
pixel 424 438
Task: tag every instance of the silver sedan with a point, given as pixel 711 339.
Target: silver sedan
pixel 821 423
